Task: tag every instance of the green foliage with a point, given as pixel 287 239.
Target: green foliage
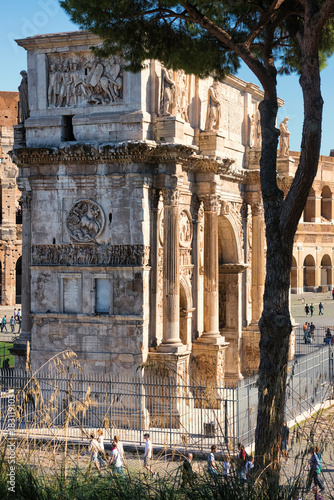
pixel 5 353
pixel 181 39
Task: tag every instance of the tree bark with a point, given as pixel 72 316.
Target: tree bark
pixel 281 218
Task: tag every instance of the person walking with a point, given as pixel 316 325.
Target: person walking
pixel 212 467
pixel 94 449
pixel 321 308
pixel 242 460
pixel 315 466
pixel 116 459
pixel 19 319
pixel 101 454
pixel 285 435
pixel 312 330
pixel 148 454
pixel 307 309
pixel 119 446
pixel 311 309
pixel 12 324
pixel 188 475
pixel 4 323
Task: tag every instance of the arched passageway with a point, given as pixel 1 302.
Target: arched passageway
pixel 18 280
pixel 309 273
pixel 326 271
pixel 293 276
pixel 326 204
pixel 309 210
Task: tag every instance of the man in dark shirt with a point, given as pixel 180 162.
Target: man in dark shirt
pixel 285 434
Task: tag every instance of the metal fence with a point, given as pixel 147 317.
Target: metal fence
pixel 176 415
pixel 318 341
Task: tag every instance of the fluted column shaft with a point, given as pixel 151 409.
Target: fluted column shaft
pixel 258 261
pixel 171 270
pixel 211 270
pixel 26 261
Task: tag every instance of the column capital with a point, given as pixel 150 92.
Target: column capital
pixel 171 196
pixel 257 209
pixel 26 199
pixel 154 198
pixel 210 202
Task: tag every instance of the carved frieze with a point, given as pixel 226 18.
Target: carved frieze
pixel 82 80
pixel 90 254
pixel 85 221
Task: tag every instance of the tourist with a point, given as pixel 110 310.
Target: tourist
pixel 328 337
pixel 249 466
pixel 307 309
pixel 242 460
pixel 116 459
pixel 19 313
pixel 285 434
pixel 333 293
pixel 4 324
pixel 227 468
pixel 119 446
pixel 15 314
pixel 19 319
pixel 101 453
pixel 312 329
pixel 94 449
pixel 212 468
pixel 315 465
pixel 321 308
pixel 148 453
pixel 12 324
pixel 187 471
pixel 311 309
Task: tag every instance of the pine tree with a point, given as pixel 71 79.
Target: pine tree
pixel 269 36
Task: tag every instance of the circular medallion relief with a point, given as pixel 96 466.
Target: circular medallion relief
pixel 85 221
pixel 186 229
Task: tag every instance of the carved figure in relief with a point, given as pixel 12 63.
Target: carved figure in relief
pixel 182 96
pixel 284 144
pixel 85 221
pixel 185 228
pixel 52 94
pixel 255 130
pixel 23 95
pixel 167 91
pixel 213 114
pixel 73 83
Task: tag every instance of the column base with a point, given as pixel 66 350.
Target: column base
pixel 172 348
pixel 212 338
pixel 208 362
pixel 212 143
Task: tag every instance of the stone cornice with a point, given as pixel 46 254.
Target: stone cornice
pixel 66 39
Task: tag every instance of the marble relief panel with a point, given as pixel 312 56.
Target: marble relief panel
pixel 81 79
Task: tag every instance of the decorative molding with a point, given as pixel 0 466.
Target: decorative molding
pixel 90 254
pixel 210 202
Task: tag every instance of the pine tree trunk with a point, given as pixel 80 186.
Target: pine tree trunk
pixel 281 218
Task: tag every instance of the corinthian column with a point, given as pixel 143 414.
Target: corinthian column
pixel 171 342
pixel 258 261
pixel 211 271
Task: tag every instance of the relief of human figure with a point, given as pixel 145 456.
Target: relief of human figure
pixel 167 90
pixel 183 100
pixel 52 95
pixel 213 114
pixel 66 87
pixel 284 138
pixel 255 130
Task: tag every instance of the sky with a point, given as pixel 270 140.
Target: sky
pixel 24 18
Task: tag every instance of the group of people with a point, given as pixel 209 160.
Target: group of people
pixel 245 464
pixel 100 459
pixel 309 331
pixel 98 456
pixel 309 309
pixel 16 319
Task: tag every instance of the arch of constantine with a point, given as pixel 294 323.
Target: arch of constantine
pixel 142 214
